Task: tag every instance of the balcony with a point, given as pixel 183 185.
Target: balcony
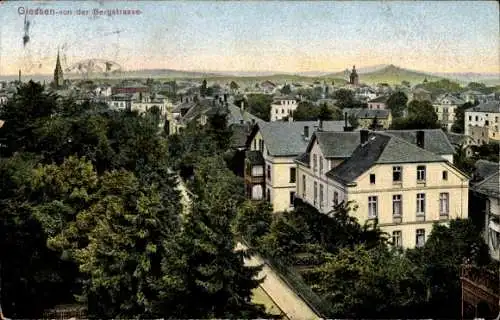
pixel 254 167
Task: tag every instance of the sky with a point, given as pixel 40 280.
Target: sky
pixel 327 36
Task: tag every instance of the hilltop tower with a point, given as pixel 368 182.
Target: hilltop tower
pixel 354 78
pixel 58 73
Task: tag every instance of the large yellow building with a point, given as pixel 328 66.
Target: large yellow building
pixel 270 169
pixel 403 185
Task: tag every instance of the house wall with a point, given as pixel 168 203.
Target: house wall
pixel 312 176
pixel 456 186
pixel 283 109
pixel 366 122
pixel 278 183
pixel 474 119
pixel 446 113
pixel 377 106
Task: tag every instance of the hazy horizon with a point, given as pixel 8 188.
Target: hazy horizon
pixel 276 37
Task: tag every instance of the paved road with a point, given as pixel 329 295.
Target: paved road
pixel 284 297
pixel 291 304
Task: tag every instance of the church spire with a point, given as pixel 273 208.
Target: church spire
pixel 58 72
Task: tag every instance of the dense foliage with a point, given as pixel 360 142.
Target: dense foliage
pixel 421 115
pixel 397 103
pixel 354 269
pixel 91 212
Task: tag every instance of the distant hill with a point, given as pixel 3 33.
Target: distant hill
pixel 390 74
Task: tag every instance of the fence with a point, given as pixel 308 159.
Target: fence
pixel 296 283
pixel 63 312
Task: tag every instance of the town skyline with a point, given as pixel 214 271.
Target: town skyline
pixel 245 37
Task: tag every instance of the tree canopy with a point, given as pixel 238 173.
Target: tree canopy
pixel 421 115
pixel 397 103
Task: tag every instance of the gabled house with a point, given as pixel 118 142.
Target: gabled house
pixel 283 107
pixel 270 170
pixel 405 187
pixel 379 103
pixel 445 107
pixel 366 117
pixel 459 140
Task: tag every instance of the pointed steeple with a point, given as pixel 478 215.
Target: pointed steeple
pixel 58 72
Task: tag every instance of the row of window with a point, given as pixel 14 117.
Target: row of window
pixel 397 205
pixel 321 193
pixel 397 174
pixel 283 111
pixel 397 238
pixel 315 164
pixel 486 121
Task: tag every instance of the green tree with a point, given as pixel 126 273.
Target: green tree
pixel 345 98
pixel 260 105
pixel 286 89
pixel 364 283
pixel 218 284
pixel 397 103
pixel 234 86
pixel 421 115
pixel 203 88
pixel 23 115
pixel 447 248
pixel 305 111
pixel 325 113
pixel 375 125
pixel 253 221
pixel 353 120
pixel 32 277
pixel 459 123
pixel 219 131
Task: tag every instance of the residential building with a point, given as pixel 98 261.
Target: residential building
pixel 474 96
pixel 459 140
pixel 379 103
pixel 365 93
pixel 486 191
pixel 120 101
pixel 366 117
pixel 3 98
pixel 420 94
pixel 403 185
pixel 482 122
pixel 270 170
pixel 268 87
pixel 143 102
pixel 283 107
pixel 445 107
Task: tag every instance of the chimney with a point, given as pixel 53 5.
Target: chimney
pixel 363 134
pixel 346 124
pixel 320 126
pixel 421 139
pixel 19 75
pixel 306 132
